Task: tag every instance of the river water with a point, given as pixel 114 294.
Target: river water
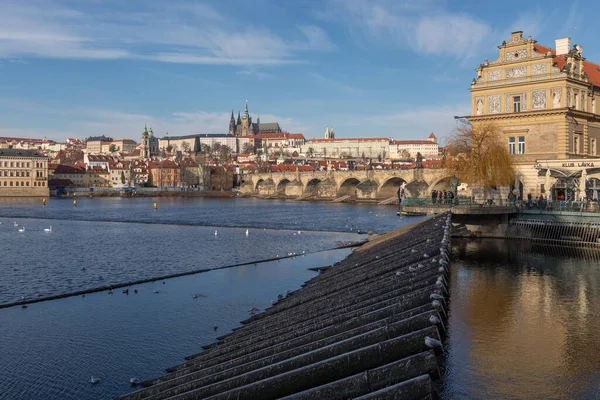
pixel 522 318
pixel 50 350
pixel 523 322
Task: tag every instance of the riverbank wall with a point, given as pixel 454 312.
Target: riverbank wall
pixel 370 327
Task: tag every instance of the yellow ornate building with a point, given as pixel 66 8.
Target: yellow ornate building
pixel 23 173
pixel 546 102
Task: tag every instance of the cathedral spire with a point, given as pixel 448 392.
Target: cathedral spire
pixel 258 119
pixel 239 120
pixel 246 111
pixel 232 124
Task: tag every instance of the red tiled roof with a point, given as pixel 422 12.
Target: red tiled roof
pixel 412 142
pixel 538 48
pixel 590 68
pixel 347 139
pixel 431 136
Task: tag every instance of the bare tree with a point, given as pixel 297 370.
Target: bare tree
pixel 247 148
pixel 185 147
pixel 477 156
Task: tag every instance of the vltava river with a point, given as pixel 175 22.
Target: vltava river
pixel 51 349
pixel 523 322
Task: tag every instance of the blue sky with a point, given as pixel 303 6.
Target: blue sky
pixel 368 68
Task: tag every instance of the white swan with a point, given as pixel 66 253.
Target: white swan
pixel 94 380
pixel 247 232
pixel 22 229
pixel 216 233
pixel 48 229
pixel 15 223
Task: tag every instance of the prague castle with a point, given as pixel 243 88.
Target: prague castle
pixel 545 100
pixel 245 127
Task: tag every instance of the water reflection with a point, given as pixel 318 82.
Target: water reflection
pixel 523 322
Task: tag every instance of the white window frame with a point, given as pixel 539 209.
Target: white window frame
pixel 511 145
pixel 521 145
pixel 516 104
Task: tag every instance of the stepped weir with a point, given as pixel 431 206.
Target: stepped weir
pixel 370 327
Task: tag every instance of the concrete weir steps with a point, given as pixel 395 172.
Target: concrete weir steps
pixel 370 327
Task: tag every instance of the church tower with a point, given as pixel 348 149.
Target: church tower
pixel 232 124
pixel 247 123
pixel 329 133
pixel 145 151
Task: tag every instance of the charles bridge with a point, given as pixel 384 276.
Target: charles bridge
pixel 367 185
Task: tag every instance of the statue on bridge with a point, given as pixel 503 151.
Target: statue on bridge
pixel 419 161
pixel 453 184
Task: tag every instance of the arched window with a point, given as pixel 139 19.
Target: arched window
pixel 11 183
pixel 26 183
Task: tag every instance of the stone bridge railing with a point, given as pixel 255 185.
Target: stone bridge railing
pixel 371 184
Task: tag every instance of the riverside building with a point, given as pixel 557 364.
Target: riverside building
pixel 23 173
pixel 545 101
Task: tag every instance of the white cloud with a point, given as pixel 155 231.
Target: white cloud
pixel 254 74
pixel 424 26
pixel 176 32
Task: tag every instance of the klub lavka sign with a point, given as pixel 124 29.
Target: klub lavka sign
pixel 578 165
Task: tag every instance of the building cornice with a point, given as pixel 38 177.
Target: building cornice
pixel 537 113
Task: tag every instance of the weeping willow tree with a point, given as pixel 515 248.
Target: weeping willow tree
pixel 477 155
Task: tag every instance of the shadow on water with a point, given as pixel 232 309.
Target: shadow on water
pixel 523 322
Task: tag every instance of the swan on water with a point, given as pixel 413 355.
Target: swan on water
pixel 134 381
pixel 48 229
pixel 432 343
pixel 216 233
pixel 94 380
pixel 15 223
pixel 22 229
pixel 247 232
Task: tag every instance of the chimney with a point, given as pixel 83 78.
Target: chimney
pixel 562 46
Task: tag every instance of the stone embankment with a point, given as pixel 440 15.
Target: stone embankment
pixel 370 327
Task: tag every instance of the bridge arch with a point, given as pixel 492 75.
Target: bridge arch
pixel 390 187
pixel 348 187
pixel 417 189
pixel 311 186
pixel 258 183
pixel 265 186
pixel 282 185
pixel 442 183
